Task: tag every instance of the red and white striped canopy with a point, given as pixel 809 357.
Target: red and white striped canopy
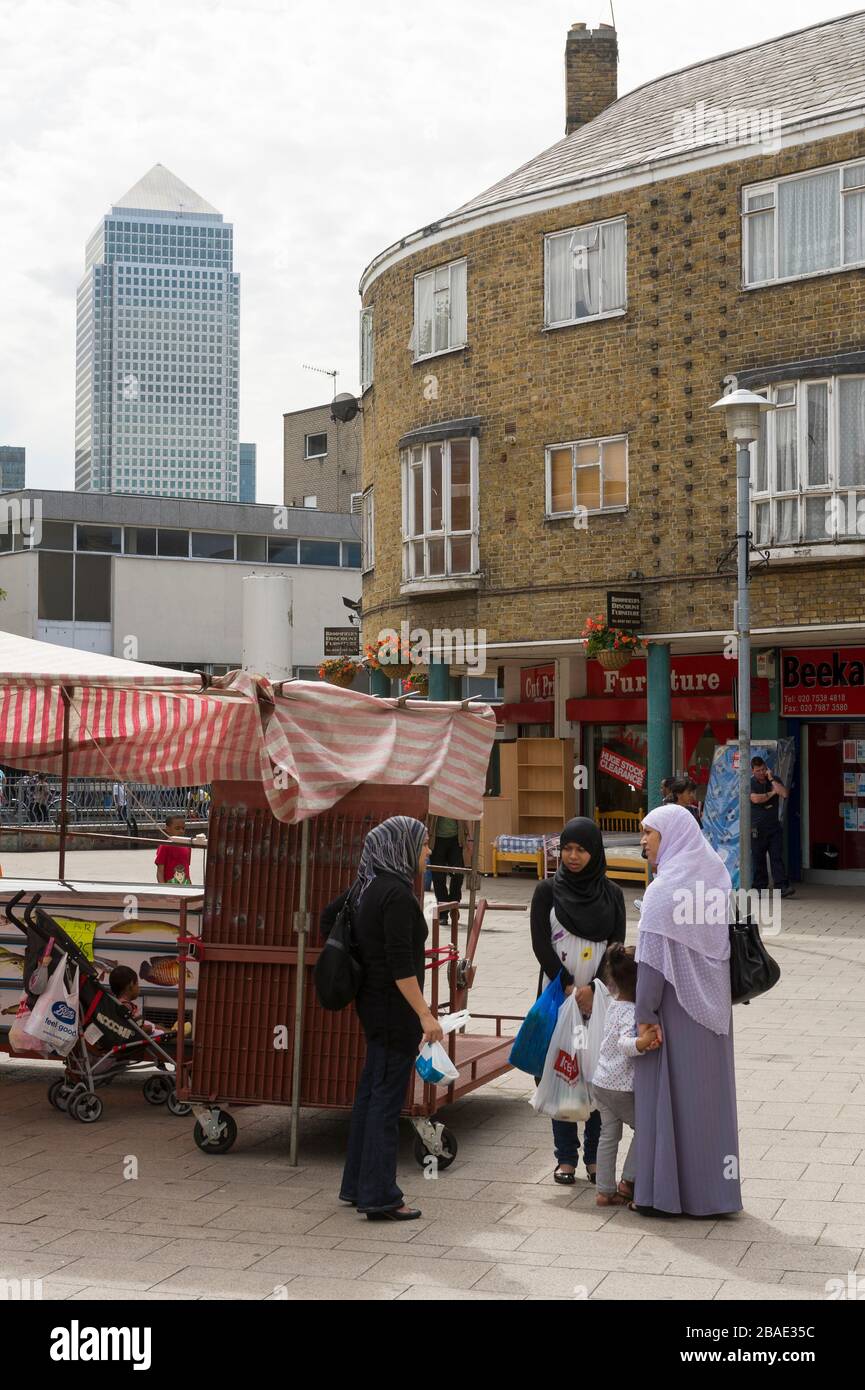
pixel 309 746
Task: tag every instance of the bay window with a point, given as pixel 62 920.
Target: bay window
pixel 367 531
pixel 585 273
pixel 440 310
pixel 590 475
pixel 808 466
pixel 807 224
pixel 439 485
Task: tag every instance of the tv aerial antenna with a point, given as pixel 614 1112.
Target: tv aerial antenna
pixel 323 371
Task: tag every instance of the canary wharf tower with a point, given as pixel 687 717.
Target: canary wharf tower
pixel 156 406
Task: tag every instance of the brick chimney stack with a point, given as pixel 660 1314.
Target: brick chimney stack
pixel 591 73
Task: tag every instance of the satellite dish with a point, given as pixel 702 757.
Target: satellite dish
pixel 344 407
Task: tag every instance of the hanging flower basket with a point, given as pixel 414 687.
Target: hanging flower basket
pixel 380 657
pixel 614 660
pixel 417 683
pixel 612 647
pixel 339 670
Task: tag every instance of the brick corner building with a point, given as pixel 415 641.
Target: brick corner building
pixel 548 437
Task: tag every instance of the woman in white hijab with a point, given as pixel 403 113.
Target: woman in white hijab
pixel 687 1139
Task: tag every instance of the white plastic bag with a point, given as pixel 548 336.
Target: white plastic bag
pixel 562 1093
pixel 434 1065
pixel 54 1020
pixel 595 1030
pixel 18 1039
pixel 451 1022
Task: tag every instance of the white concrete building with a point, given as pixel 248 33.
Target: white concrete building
pixel 160 579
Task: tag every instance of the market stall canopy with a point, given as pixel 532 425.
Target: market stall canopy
pixel 24 661
pixel 308 745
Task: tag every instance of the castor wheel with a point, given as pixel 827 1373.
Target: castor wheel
pixel 58 1094
pixel 442 1160
pixel 219 1138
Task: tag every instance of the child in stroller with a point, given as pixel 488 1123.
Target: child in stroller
pixel 111 1039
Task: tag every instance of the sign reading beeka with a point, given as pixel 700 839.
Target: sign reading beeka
pixel 342 641
pixel 625 610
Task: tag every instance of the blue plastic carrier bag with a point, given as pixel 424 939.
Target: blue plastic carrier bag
pixel 529 1052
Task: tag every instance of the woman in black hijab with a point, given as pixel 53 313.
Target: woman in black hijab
pixel 574 917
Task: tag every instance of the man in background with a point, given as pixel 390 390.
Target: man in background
pixel 449 839
pixel 767 793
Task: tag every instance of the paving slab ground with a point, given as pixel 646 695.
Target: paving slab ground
pixel 249 1226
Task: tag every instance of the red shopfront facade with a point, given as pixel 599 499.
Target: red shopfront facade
pixel 823 700
pixel 613 716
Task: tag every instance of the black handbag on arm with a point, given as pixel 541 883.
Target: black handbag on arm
pixel 337 972
pixel 752 970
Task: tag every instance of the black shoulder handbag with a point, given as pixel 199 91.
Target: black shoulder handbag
pixel 752 969
pixel 337 973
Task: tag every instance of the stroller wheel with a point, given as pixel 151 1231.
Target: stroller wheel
pixel 178 1107
pixel 58 1094
pixel 86 1107
pixel 157 1089
pixel 226 1137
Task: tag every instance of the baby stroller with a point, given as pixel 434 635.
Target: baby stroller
pixel 110 1039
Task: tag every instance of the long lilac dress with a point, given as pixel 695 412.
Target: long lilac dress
pixel 687 1139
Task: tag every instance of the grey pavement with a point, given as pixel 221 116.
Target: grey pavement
pixel 249 1226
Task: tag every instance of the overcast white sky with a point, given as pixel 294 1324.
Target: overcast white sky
pixel 324 131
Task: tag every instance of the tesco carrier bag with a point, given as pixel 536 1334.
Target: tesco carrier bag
pixel 54 1020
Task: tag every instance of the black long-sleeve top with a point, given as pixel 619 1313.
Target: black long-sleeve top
pixel 390 931
pixel 542 906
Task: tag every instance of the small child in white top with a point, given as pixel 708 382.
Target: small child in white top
pixel 613 1081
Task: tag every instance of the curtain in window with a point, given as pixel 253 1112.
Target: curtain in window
pixel 809 223
pixel 613 268
pixel 423 314
pixel 615 469
pixel 442 310
pixel 585 254
pixel 787 521
pixel 761 524
pixel 819 517
pixel 761 247
pixel 759 456
pixel 854 227
pixel 559 279
pixel 786 475
pixel 561 480
pixel 818 435
pixel 851 463
pixel 458 304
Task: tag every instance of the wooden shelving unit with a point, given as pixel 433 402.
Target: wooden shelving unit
pixel 545 785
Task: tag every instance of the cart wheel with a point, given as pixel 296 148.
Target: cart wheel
pixel 443 1160
pixel 178 1107
pixel 227 1135
pixel 157 1089
pixel 86 1107
pixel 58 1094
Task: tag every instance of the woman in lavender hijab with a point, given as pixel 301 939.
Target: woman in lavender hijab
pixel 687 1139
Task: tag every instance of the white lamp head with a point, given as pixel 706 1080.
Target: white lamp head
pixel 742 414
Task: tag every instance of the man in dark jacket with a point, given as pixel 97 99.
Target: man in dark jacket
pixel 767 793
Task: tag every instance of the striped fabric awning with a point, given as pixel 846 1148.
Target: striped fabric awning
pixel 308 746
pixel 323 742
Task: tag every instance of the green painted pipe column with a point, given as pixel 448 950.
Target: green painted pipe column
pixel 379 683
pixel 659 721
pixel 439 679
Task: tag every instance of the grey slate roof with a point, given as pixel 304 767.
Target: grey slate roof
pixel 812 73
pixel 162 191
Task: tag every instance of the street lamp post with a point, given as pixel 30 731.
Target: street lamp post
pixel 742 410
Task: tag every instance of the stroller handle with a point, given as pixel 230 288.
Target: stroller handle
pixel 28 911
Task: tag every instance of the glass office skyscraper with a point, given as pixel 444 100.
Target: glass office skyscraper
pixel 247 473
pixel 156 407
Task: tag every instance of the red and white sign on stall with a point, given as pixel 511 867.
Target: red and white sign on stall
pixel 538 682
